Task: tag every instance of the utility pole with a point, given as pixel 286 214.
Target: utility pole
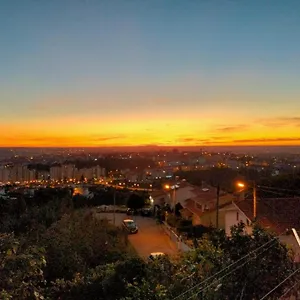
pixel 114 218
pixel 174 199
pixel 254 201
pixel 218 202
pixel 296 236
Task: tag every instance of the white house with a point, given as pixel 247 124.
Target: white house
pixel 183 192
pixel 278 215
pixel 234 216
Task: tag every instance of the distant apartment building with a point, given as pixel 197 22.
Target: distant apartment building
pixel 4 174
pixel 16 173
pixel 96 172
pixel 99 172
pixel 29 175
pixel 43 175
pixel 86 173
pixel 56 172
pixel 21 173
pixel 68 171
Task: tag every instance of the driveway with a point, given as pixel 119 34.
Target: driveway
pixel 150 238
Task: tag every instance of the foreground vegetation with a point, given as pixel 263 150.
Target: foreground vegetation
pixel 50 249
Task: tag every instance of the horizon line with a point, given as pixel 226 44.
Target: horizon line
pixel 156 146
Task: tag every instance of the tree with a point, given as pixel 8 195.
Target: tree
pixel 178 208
pixel 79 201
pixel 21 205
pixel 80 241
pixel 253 277
pixel 105 282
pixel 250 279
pixel 135 201
pixel 263 271
pixel 20 269
pixel 61 253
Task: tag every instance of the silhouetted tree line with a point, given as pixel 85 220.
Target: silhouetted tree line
pixel 228 177
pixel 39 167
pixel 109 163
pixel 287 185
pixel 112 163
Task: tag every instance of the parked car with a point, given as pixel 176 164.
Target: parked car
pixel 130 226
pixel 122 209
pixel 156 255
pixel 146 211
pixel 131 212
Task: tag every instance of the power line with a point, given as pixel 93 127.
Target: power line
pixel 287 291
pixel 238 267
pixel 272 192
pixel 226 268
pixel 278 285
pixel 278 189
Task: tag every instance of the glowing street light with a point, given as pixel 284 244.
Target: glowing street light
pixel 241 184
pixel 173 196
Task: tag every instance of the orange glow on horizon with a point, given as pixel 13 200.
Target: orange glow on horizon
pixel 81 141
pixel 118 132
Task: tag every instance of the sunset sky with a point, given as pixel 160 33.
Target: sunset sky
pixel 145 72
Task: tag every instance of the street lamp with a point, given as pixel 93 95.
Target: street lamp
pixel 114 211
pixel 240 184
pixel 168 187
pixel 243 186
pixel 218 206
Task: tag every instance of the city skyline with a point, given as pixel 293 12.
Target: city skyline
pixel 135 73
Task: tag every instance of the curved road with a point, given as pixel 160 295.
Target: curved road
pixel 150 238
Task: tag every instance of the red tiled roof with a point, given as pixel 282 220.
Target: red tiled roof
pixel 277 214
pixel 210 204
pixel 192 208
pixel 221 206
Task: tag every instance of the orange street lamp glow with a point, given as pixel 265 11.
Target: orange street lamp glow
pixel 167 187
pixel 240 184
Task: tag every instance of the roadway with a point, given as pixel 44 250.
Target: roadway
pixel 150 238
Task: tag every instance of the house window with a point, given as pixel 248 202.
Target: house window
pixel 237 216
pixel 198 206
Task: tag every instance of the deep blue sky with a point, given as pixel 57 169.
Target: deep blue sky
pixel 189 59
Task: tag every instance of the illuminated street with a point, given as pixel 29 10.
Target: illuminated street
pixel 150 238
